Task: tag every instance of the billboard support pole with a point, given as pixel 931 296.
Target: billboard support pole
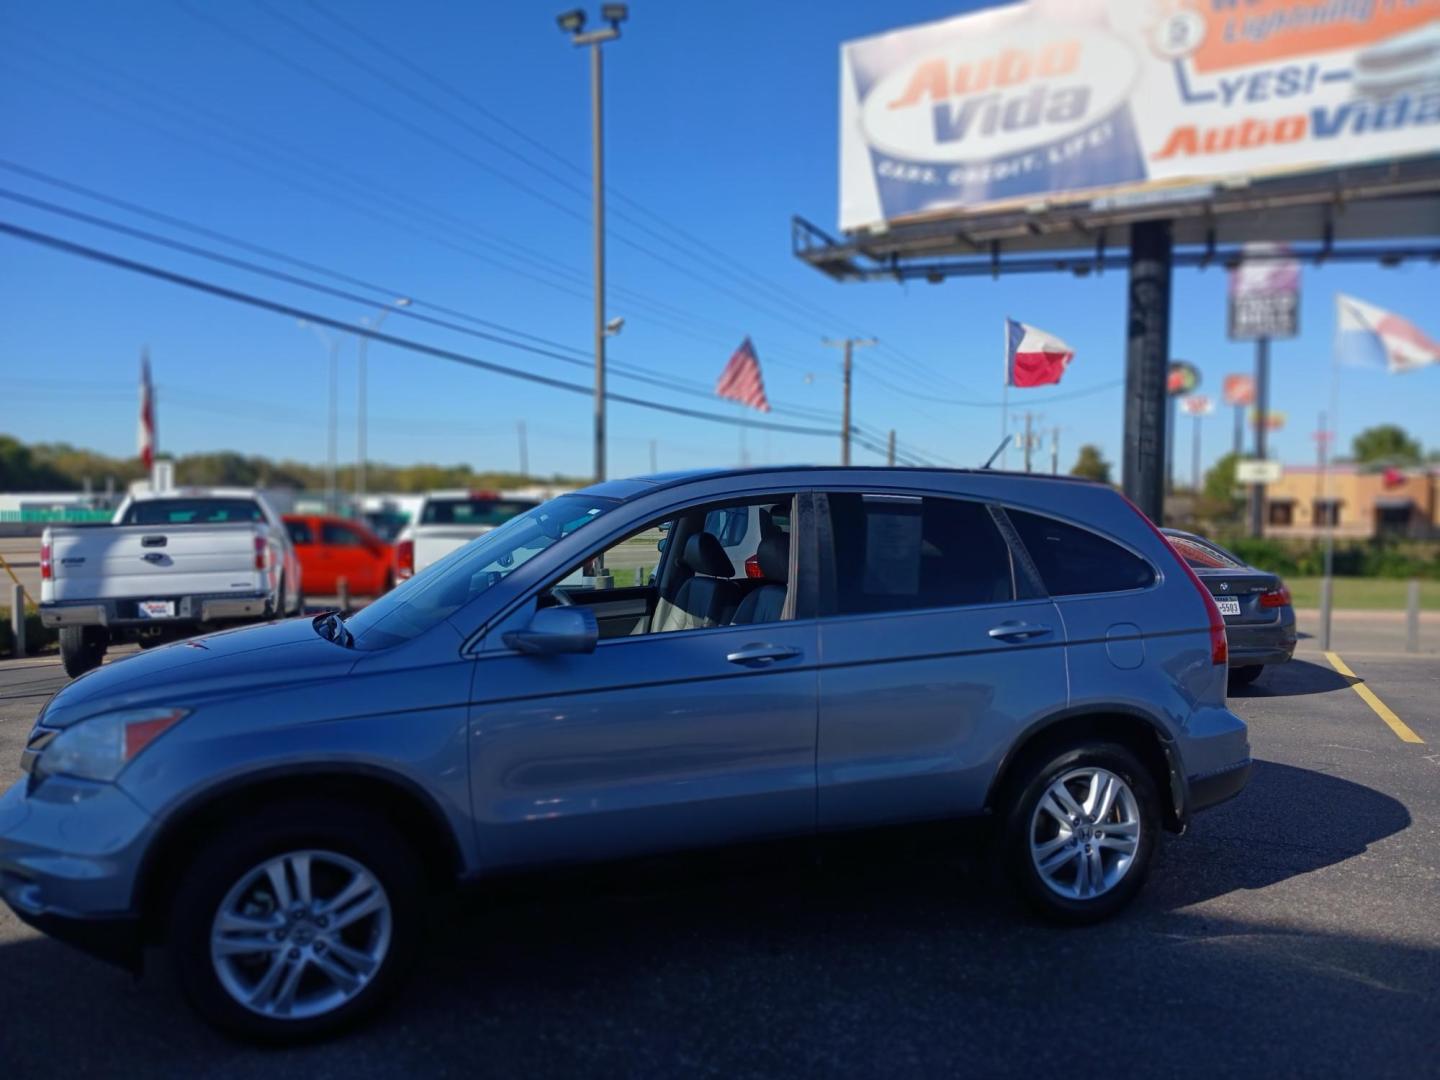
pixel 1262 424
pixel 1170 425
pixel 1239 447
pixel 1147 353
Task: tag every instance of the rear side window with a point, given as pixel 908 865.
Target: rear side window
pixel 1072 560
pixel 340 535
pixel 900 553
pixel 299 532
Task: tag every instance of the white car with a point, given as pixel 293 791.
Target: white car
pixel 448 520
pixel 170 563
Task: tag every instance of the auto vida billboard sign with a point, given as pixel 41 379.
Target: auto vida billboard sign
pixel 1063 99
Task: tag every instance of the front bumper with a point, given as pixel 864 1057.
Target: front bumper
pixel 69 858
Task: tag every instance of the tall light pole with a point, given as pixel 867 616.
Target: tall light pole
pixel 573 23
pixel 332 346
pixel 361 419
pixel 848 344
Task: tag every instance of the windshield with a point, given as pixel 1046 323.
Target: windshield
pixel 192 512
pixel 442 589
pixel 474 510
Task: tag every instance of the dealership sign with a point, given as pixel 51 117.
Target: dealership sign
pixel 1064 99
pixel 1264 294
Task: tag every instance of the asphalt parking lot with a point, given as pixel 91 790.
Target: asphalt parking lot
pixel 1295 930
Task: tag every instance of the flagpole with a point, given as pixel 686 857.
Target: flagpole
pixel 1332 512
pixel 1005 394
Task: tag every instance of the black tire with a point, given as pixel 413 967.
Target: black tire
pixel 1021 814
pixel 230 855
pixel 1244 676
pixel 82 648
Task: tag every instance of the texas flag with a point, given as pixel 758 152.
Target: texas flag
pixel 1368 336
pixel 1033 357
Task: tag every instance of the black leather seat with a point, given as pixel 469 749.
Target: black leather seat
pixel 707 598
pixel 767 603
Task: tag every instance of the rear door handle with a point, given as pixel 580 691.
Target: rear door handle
pixel 761 655
pixel 1017 631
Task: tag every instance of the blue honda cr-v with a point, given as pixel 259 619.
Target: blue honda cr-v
pixel 643 666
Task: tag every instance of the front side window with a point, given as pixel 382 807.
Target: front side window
pixel 442 589
pixel 1073 561
pixel 904 553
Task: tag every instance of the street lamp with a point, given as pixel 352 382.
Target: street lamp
pixel 573 23
pixel 361 450
pixel 332 346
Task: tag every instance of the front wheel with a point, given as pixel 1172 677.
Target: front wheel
pixel 82 648
pixel 1081 831
pixel 298 922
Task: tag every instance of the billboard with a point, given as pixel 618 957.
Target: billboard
pixel 1057 100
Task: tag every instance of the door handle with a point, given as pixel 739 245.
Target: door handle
pixel 761 655
pixel 1017 631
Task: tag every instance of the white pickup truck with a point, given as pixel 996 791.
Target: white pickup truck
pixel 169 564
pixel 447 520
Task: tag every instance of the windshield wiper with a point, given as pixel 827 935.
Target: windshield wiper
pixel 330 626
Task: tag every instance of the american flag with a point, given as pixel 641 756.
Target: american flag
pixel 740 381
pixel 146 434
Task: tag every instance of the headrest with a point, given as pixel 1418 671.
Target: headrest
pixel 705 555
pixel 773 555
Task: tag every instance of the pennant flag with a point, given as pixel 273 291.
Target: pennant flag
pixel 1033 357
pixel 146 433
pixel 740 381
pixel 1368 336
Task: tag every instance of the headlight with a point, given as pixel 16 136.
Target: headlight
pixel 99 747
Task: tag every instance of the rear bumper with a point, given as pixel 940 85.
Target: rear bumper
pixel 1215 749
pixel 1265 643
pixel 1218 787
pixel 188 609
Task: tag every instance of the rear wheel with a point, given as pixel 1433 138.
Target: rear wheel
pixel 1244 676
pixel 82 648
pixel 298 922
pixel 1080 831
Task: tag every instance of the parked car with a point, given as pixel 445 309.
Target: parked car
pixel 171 563
pixel 1259 617
pixel 448 520
pixel 274 805
pixel 334 548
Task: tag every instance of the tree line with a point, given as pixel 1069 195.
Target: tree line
pixel 62 467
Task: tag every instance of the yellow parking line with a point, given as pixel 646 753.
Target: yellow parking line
pixel 1402 729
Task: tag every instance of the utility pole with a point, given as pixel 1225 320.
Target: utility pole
pixel 573 23
pixel 524 448
pixel 1028 417
pixel 1262 424
pixel 848 345
pixel 362 450
pixel 654 468
pixel 890 450
pixel 1055 451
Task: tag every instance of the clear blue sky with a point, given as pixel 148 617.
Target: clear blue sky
pixel 722 119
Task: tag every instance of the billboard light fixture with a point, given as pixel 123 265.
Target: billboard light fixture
pixel 615 14
pixel 572 21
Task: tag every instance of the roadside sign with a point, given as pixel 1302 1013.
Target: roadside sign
pixel 1239 390
pixel 1264 294
pixel 1181 378
pixel 1197 405
pixel 1258 472
pixel 1274 419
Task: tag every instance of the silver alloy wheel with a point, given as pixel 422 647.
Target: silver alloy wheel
pixel 1084 833
pixel 301 934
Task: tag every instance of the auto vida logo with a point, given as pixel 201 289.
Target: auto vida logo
pixel 995 97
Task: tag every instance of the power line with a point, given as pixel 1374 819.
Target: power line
pixel 95 255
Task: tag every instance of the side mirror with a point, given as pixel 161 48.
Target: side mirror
pixel 569 629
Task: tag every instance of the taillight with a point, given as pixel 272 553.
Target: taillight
pixel 1219 646
pixel 1276 597
pixel 405 557
pixel 262 554
pixel 752 567
pixel 46 570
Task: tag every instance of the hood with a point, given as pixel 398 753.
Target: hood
pixel 223 664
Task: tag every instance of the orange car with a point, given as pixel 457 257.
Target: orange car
pixel 331 548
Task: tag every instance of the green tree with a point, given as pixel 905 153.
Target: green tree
pixel 1387 444
pixel 1220 483
pixel 1091 464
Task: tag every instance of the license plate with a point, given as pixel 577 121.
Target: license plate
pixel 157 609
pixel 1229 605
